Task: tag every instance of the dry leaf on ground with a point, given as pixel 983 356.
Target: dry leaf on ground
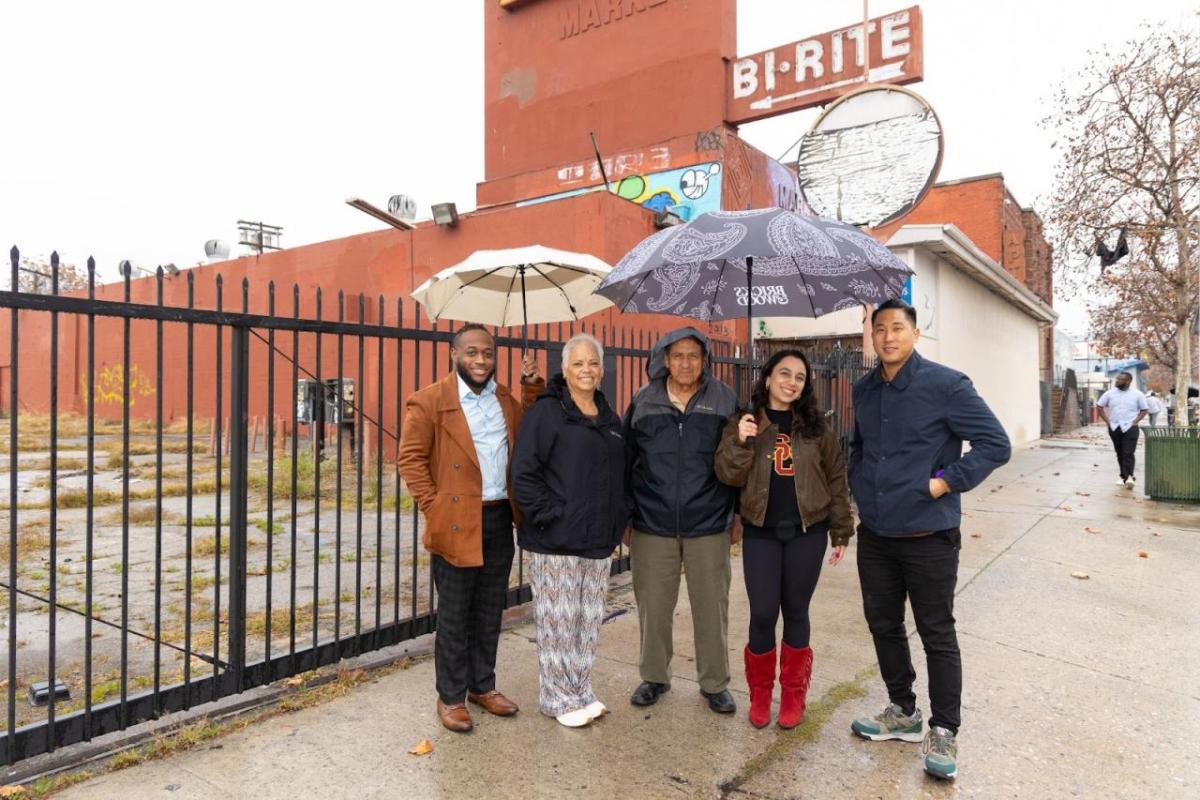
pixel 296 681
pixel 976 535
pixel 1084 494
pixel 421 748
pixel 1155 533
pixel 1143 554
pixel 1083 576
pixel 1092 530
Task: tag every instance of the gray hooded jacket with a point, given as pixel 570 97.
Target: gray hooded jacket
pixel 670 453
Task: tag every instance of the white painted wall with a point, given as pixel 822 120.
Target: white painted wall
pixel 974 330
pixel 965 326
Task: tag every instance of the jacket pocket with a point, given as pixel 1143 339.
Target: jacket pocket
pixel 814 494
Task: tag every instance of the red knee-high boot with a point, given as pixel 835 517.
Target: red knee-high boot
pixel 760 676
pixel 795 672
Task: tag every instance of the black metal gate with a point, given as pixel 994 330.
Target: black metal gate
pixel 156 563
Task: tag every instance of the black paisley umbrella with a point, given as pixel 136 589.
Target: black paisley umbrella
pixel 731 264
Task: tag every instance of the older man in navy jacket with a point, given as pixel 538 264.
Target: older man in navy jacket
pixel 907 472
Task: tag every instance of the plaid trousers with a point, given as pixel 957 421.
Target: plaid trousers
pixel 470 605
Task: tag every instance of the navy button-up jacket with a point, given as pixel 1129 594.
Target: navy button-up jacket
pixel 906 431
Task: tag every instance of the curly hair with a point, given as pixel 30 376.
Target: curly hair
pixel 806 409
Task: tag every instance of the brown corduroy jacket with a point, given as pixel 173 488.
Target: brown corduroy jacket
pixel 822 491
pixel 439 465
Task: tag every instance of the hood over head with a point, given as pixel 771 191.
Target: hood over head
pixel 656 366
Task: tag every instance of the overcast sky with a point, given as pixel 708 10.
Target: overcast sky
pixel 141 129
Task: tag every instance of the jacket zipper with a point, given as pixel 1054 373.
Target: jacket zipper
pixel 678 471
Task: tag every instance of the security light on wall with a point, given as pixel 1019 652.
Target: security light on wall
pixel 667 219
pixel 445 214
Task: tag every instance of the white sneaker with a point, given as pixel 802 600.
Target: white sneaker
pixel 596 710
pixel 1130 482
pixel 575 719
pixel 1121 482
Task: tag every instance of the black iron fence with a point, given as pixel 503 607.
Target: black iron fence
pixel 159 558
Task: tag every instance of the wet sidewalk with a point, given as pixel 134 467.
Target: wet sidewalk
pixel 1074 686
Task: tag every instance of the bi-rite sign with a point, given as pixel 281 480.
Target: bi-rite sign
pixel 821 68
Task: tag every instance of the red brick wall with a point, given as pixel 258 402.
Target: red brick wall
pixel 389 263
pixel 990 216
pixel 975 207
pixel 640 73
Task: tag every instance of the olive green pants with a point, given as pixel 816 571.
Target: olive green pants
pixel 658 562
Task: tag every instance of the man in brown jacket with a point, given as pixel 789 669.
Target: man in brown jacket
pixel 454 449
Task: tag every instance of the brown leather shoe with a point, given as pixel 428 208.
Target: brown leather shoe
pixel 455 717
pixel 494 703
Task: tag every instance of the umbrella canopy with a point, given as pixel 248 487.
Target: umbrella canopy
pixel 729 264
pixel 517 286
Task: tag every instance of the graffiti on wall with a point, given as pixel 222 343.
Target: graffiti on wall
pixel 110 385
pixel 784 188
pixel 616 166
pixel 697 188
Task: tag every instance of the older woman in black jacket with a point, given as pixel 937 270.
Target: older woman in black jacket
pixel 568 474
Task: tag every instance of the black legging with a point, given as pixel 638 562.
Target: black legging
pixel 782 576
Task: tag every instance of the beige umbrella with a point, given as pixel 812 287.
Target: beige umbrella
pixel 517 286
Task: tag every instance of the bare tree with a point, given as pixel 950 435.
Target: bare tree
pixel 36 276
pixel 1128 136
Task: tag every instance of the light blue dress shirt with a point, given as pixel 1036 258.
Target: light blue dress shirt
pixel 485 418
pixel 1123 407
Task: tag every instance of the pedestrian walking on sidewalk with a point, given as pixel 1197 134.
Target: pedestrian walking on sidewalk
pixel 794 496
pixel 907 475
pixel 1154 407
pixel 568 474
pixel 682 515
pixel 454 449
pixel 1122 408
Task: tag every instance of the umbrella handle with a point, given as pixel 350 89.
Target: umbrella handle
pixel 752 411
pixel 524 312
pixel 750 338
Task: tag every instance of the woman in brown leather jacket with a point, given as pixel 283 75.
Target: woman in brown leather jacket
pixel 794 494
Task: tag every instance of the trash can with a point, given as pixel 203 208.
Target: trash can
pixel 1173 463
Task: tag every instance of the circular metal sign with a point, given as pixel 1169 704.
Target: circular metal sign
pixel 871 156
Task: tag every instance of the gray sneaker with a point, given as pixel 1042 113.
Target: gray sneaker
pixel 939 754
pixel 892 723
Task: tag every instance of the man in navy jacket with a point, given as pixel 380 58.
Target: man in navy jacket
pixel 907 472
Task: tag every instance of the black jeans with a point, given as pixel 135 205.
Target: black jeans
pixel 1125 443
pixel 782 576
pixel 923 569
pixel 470 604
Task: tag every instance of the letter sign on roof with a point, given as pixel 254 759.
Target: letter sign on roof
pixel 821 68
